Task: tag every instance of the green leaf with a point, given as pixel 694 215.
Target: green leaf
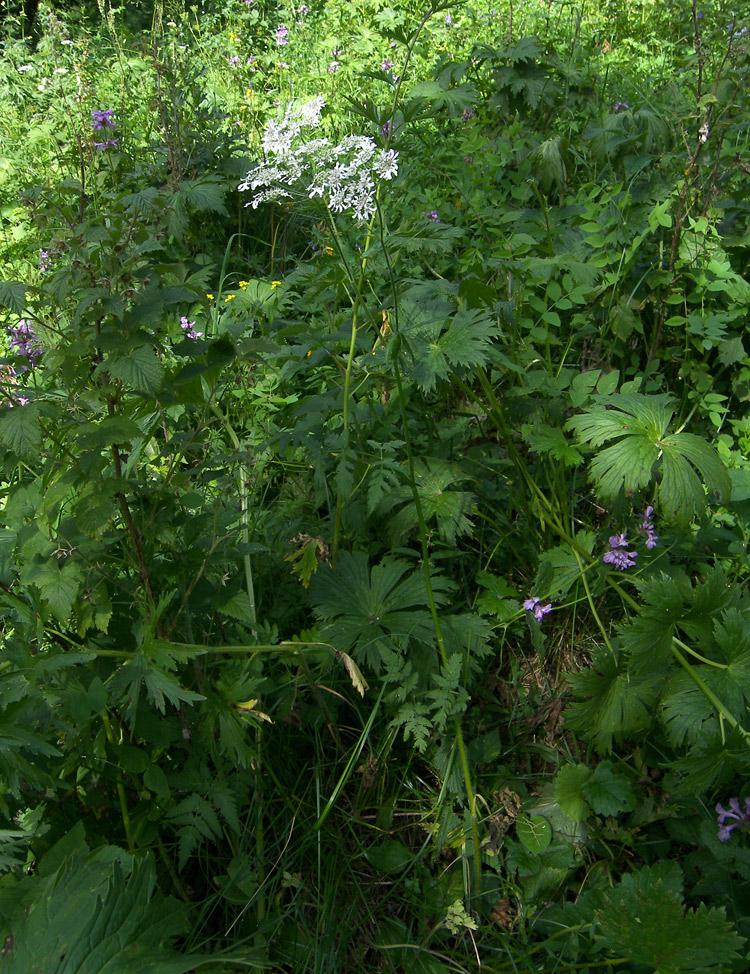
pixel 140 369
pixel 20 431
pixel 88 919
pixel 569 782
pixel 58 586
pixel 390 857
pixel 607 792
pixel 616 703
pixel 643 449
pixel 13 296
pixel 535 832
pixel 551 440
pixel 643 919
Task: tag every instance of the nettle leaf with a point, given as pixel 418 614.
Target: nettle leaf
pixel 58 586
pixel 140 369
pixel 20 431
pixel 686 467
pixel 13 296
pixel 644 919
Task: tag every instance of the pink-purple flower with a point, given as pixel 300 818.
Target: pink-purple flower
pixel 534 605
pixel 282 35
pixel 646 527
pixel 741 818
pixel 619 559
pixel 189 328
pixel 102 119
pixel 23 342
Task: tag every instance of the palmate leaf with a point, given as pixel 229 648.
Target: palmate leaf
pixel 615 704
pixel 95 916
pixel 688 467
pixel 643 918
pixel 440 342
pixel 371 614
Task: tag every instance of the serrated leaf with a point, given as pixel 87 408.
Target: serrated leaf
pixel 569 782
pixel 58 586
pixel 608 792
pixel 140 370
pixel 643 918
pixel 20 430
pixel 551 440
pixel 13 296
pixel 616 704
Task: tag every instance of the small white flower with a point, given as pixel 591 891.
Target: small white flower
pixel 386 167
pixel 25 67
pixel 60 71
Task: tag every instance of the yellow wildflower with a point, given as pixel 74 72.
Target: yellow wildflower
pixel 230 297
pixel 329 251
pixel 275 284
pixel 210 297
pixel 244 284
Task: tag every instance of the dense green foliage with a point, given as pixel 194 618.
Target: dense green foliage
pixel 375 488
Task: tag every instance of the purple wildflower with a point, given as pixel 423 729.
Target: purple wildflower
pixel 386 128
pixel 102 119
pixel 432 216
pixel 234 61
pixel 189 328
pixel 303 10
pixel 23 342
pixel 448 19
pixel 107 144
pixel 333 67
pixel 621 560
pixel 742 818
pixel 468 113
pixel 540 611
pixel 386 64
pixel 647 528
pixel 621 106
pixel 282 35
pixel 336 52
pixel 45 261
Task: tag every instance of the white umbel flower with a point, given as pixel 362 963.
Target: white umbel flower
pixel 344 176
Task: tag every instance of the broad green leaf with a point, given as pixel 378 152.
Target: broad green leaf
pixel 608 792
pixel 20 431
pixel 534 832
pixel 58 586
pixel 643 918
pixel 569 782
pixel 140 369
pixel 13 296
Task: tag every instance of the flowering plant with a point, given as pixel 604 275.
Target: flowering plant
pixel 343 176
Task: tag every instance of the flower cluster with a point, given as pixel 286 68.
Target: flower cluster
pixel 432 216
pixel 342 175
pixel 534 605
pixel 102 119
pixel 23 342
pixel 621 106
pixel 282 35
pixel 189 328
pixel 741 818
pixel 45 261
pixel 620 559
pixel 9 386
pixel 647 528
